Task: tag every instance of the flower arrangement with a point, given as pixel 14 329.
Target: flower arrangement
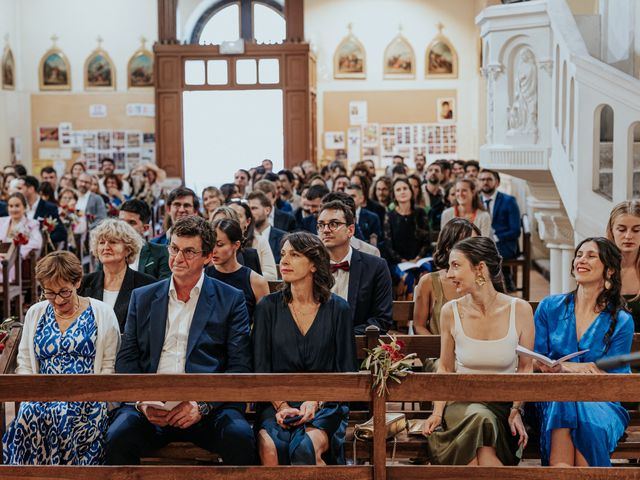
pixel 20 239
pixel 19 234
pixel 5 328
pixel 49 224
pixel 386 361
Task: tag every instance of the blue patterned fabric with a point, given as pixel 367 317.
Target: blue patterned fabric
pixel 60 433
pixel 595 427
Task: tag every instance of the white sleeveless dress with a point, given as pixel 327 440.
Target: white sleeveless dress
pixel 471 425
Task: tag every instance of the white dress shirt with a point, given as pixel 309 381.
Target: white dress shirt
pixel 341 285
pixel 31 211
pixel 492 204
pixel 179 316
pixel 272 216
pixel 81 204
pixel 136 260
pixel 265 255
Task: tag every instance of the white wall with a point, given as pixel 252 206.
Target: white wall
pixel 618 36
pixel 375 23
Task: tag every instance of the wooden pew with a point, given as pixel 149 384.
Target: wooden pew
pixel 11 290
pixel 523 260
pixel 29 284
pixel 8 365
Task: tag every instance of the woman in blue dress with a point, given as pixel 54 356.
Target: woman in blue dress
pixel 591 317
pixel 303 328
pixel 65 334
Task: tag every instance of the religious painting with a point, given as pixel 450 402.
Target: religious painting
pixel 140 69
pixel 350 59
pixel 441 59
pixel 446 110
pixel 399 59
pixel 8 69
pixel 99 71
pixel 54 71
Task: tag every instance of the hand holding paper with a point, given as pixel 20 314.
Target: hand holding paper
pixel 525 352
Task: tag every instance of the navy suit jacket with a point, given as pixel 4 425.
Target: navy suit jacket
pixel 48 209
pixel 369 224
pixel 283 220
pixel 370 295
pixel 219 337
pixel 4 212
pixel 275 237
pixel 506 224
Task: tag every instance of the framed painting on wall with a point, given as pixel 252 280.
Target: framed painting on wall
pixel 399 59
pixel 99 70
pixel 140 68
pixel 350 59
pixel 441 59
pixel 55 71
pixel 446 110
pixel 8 69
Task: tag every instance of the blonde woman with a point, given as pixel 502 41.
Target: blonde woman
pixel 117 245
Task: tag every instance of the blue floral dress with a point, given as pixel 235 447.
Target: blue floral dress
pixel 60 433
pixel 595 427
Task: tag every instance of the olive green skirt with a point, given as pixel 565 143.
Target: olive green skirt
pixel 470 426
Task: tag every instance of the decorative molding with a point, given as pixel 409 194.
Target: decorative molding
pixel 514 158
pixel 546 65
pixel 522 113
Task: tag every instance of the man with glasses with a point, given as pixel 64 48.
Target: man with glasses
pixel 188 323
pixel 182 202
pixel 89 203
pixel 361 279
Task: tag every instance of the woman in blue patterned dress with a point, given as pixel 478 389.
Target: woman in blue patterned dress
pixel 65 334
pixel 591 317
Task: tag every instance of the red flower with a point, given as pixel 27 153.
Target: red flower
pixel 388 348
pixel 20 239
pixel 49 224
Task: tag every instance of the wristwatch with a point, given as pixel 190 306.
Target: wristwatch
pixel 204 409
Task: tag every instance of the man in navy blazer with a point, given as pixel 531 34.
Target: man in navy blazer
pixel 261 209
pixel 505 218
pixel 361 279
pixel 188 323
pixel 368 221
pixel 39 209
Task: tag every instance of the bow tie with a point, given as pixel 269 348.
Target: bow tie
pixel 340 266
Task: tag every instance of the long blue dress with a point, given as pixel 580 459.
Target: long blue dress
pixel 595 427
pixel 60 433
pixel 280 347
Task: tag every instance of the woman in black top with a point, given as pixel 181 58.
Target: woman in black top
pixel 226 267
pixel 406 233
pixel 303 328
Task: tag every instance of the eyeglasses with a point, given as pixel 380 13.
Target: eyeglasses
pixel 178 206
pixel 333 225
pixel 51 295
pixel 188 253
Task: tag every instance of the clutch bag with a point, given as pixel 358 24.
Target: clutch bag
pixel 394 424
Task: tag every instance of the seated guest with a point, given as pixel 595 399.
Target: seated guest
pixel 226 268
pixel 286 191
pixel 381 191
pixel 241 179
pixel 66 181
pixel 623 229
pixel 435 289
pixel 47 193
pixel 368 221
pixel 17 228
pixel 434 194
pixel 591 318
pixel 468 206
pixel 90 204
pixel 65 334
pixel 277 218
pixel 77 168
pixel 505 219
pixel 95 189
pixel 307 215
pixel 50 176
pixel 479 334
pixel 449 197
pixel 115 244
pixel 113 188
pixel 108 168
pixel 406 232
pixel 471 169
pixel 211 199
pixel 255 242
pixel 457 169
pixel 189 323
pixel 361 279
pixel 246 256
pixel 261 210
pixel 152 259
pixel 416 188
pixel 303 328
pixel 182 202
pixel 38 209
pixel 364 182
pixel 340 183
pixel 229 192
pixel 74 224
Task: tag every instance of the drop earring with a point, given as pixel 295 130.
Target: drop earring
pixel 480 280
pixel 607 285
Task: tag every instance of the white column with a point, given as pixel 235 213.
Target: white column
pixel 568 282
pixel 555 268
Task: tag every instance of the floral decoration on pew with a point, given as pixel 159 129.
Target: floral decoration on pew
pixel 49 224
pixel 386 361
pixel 20 239
pixel 5 328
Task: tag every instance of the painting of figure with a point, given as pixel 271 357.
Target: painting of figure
pixel 141 69
pixel 8 70
pixel 99 72
pixel 399 60
pixel 55 73
pixel 350 59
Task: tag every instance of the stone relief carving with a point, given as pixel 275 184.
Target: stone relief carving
pixel 522 114
pixel 491 73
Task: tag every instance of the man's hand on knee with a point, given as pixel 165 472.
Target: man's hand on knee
pixel 155 415
pixel 184 415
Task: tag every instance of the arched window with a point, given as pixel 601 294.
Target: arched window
pixel 634 155
pixel 261 21
pixel 604 153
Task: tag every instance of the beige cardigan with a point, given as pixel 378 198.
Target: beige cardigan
pixel 107 343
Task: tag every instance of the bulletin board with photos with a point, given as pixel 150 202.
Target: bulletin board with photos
pixel 434 140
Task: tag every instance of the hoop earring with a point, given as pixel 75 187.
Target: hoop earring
pixel 480 280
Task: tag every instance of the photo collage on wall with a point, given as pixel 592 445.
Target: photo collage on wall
pixel 434 140
pixel 126 147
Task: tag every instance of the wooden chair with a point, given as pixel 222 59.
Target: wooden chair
pixel 83 252
pixel 11 290
pixel 29 284
pixel 523 260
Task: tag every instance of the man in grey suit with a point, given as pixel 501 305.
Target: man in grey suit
pixel 89 203
pixel 153 259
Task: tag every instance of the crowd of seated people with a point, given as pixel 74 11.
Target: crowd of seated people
pixel 190 294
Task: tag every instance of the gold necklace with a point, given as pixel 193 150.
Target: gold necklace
pixel 72 315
